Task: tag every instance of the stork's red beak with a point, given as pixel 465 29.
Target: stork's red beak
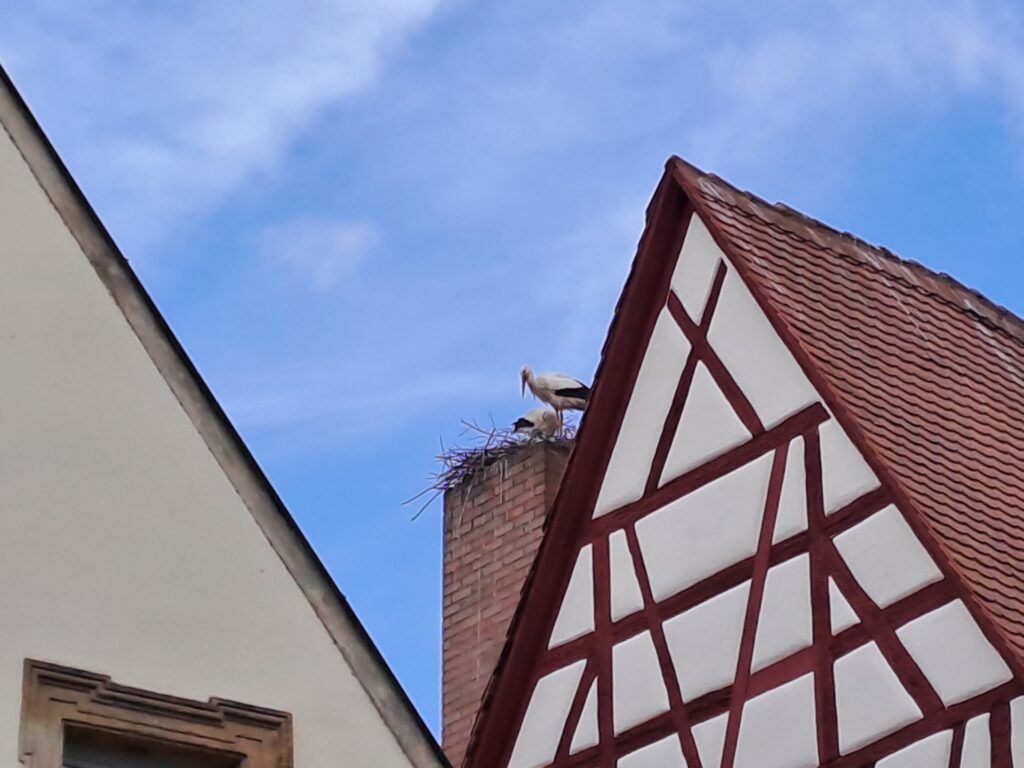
pixel 522 387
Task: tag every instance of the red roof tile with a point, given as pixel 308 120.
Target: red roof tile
pixel 931 372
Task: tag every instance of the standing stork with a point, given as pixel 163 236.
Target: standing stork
pixel 559 390
pixel 539 422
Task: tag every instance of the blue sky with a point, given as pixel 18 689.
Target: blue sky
pixel 362 216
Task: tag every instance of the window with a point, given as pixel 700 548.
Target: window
pixel 92 748
pixel 76 719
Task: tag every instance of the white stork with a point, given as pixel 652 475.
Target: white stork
pixel 539 422
pixel 559 390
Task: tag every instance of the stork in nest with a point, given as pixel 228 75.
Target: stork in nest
pixel 539 422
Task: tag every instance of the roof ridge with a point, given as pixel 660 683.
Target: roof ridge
pixel 939 285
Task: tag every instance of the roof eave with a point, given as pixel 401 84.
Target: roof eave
pixel 621 356
pixel 223 441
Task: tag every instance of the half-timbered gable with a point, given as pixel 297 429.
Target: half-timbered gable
pixel 791 530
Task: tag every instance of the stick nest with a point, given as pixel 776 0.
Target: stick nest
pixel 461 466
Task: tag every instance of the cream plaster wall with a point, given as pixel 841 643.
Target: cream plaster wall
pixel 125 550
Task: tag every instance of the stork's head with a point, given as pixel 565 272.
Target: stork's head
pixel 525 374
pixel 522 424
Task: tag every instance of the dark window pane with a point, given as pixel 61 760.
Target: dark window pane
pixel 91 748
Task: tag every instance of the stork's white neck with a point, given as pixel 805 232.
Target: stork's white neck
pixel 531 382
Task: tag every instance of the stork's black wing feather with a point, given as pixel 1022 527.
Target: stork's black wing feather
pixel 522 424
pixel 582 392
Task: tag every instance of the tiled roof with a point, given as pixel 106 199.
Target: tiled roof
pixel 930 371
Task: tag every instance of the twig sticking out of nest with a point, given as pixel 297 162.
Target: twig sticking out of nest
pixel 461 466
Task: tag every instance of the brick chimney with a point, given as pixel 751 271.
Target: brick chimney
pixel 492 528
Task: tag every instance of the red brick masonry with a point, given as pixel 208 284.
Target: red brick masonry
pixel 491 534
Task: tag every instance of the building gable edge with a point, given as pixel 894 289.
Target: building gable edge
pixel 635 315
pixel 217 432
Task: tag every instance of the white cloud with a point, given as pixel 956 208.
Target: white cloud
pixel 313 406
pixel 532 134
pixel 824 74
pixel 580 277
pixel 734 85
pixel 321 253
pixel 168 108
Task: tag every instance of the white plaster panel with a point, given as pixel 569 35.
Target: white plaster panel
pixel 977 751
pixel 626 595
pixel 709 737
pixel 930 752
pixel 586 734
pixel 870 700
pixel 634 449
pixel 545 717
pixel 576 616
pixel 705 531
pixel 845 475
pixel 886 558
pixel 1017 731
pixel 704 642
pixel 954 655
pixel 778 729
pixel 104 478
pixel 784 624
pixel 708 427
pixel 666 753
pixel 695 270
pixel 841 612
pixel 756 356
pixel 792 516
pixel 638 690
